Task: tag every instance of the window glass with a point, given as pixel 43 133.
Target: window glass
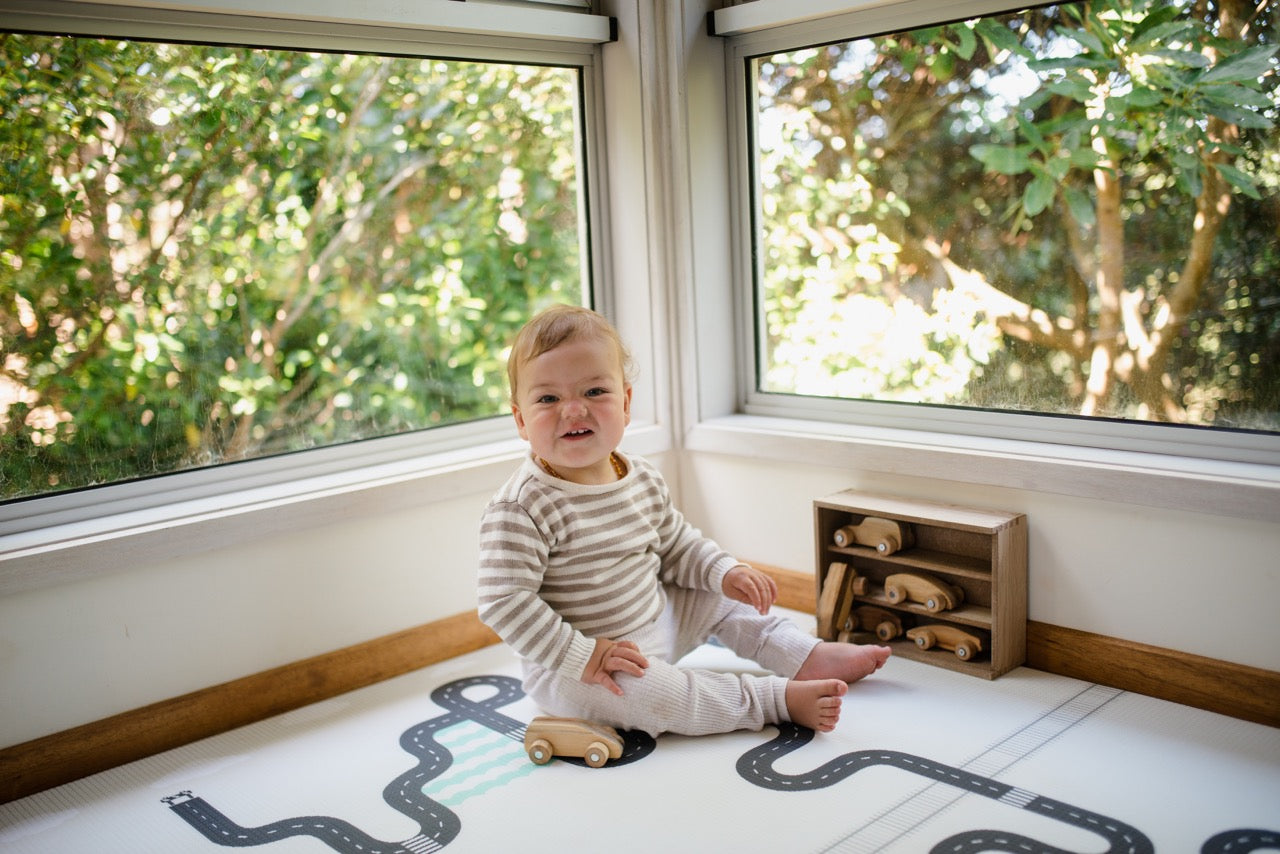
pixel 211 253
pixel 1072 210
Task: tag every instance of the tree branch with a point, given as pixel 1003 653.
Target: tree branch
pixel 1109 280
pixel 1013 316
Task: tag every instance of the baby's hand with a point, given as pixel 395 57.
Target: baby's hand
pixel 748 584
pixel 610 657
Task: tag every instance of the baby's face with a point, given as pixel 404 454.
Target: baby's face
pixel 572 405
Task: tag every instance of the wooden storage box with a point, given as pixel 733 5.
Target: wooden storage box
pixel 983 552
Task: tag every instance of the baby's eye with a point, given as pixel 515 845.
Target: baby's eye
pixel 596 392
pixel 547 398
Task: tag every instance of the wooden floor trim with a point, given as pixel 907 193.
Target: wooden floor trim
pixel 1243 692
pixel 1236 690
pixel 75 753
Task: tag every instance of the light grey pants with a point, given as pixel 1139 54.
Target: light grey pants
pixel 685 700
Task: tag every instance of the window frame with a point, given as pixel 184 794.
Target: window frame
pixel 41 536
pixel 750 36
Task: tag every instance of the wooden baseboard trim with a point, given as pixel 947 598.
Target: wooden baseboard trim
pixel 1236 690
pixel 1248 693
pixel 75 753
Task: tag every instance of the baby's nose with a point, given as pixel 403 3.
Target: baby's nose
pixel 575 406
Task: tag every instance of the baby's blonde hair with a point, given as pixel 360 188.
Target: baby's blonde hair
pixel 557 325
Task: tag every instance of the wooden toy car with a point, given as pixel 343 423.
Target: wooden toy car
pixel 548 736
pixel 884 535
pixel 965 645
pixel 936 595
pixel 841 584
pixel 886 624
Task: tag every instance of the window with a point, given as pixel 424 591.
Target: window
pixel 214 253
pixel 1069 211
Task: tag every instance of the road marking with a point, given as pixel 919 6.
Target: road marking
pixel 914 810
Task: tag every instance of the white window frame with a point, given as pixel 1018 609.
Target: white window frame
pixel 1217 472
pixel 60 537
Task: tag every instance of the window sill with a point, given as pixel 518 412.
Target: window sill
pixel 1234 489
pixel 107 542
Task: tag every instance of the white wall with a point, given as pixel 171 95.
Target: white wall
pixel 86 649
pixel 125 634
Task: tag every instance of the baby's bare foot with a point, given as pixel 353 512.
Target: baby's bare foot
pixel 846 661
pixel 815 703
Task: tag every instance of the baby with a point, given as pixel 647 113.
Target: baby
pixel 599 584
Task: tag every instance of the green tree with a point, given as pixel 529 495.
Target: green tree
pixel 210 254
pixel 1080 218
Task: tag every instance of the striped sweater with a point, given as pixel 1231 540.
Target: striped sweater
pixel 563 563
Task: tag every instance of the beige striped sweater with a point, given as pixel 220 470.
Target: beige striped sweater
pixel 563 563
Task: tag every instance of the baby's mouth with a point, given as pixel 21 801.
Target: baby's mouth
pixel 577 434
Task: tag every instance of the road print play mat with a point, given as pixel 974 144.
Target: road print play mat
pixel 924 759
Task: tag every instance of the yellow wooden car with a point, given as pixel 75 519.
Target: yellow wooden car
pixel 884 535
pixel 963 644
pixel 548 736
pixel 868 618
pixel 934 593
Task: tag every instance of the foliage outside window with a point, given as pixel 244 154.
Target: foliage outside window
pixel 211 254
pixel 1071 210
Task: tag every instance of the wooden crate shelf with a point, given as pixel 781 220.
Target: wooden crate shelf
pixel 983 552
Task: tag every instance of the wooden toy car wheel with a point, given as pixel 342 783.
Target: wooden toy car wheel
pixel 933 605
pixel 886 631
pixel 596 754
pixel 887 546
pixel 965 651
pixel 926 639
pixel 540 752
pixel 895 593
